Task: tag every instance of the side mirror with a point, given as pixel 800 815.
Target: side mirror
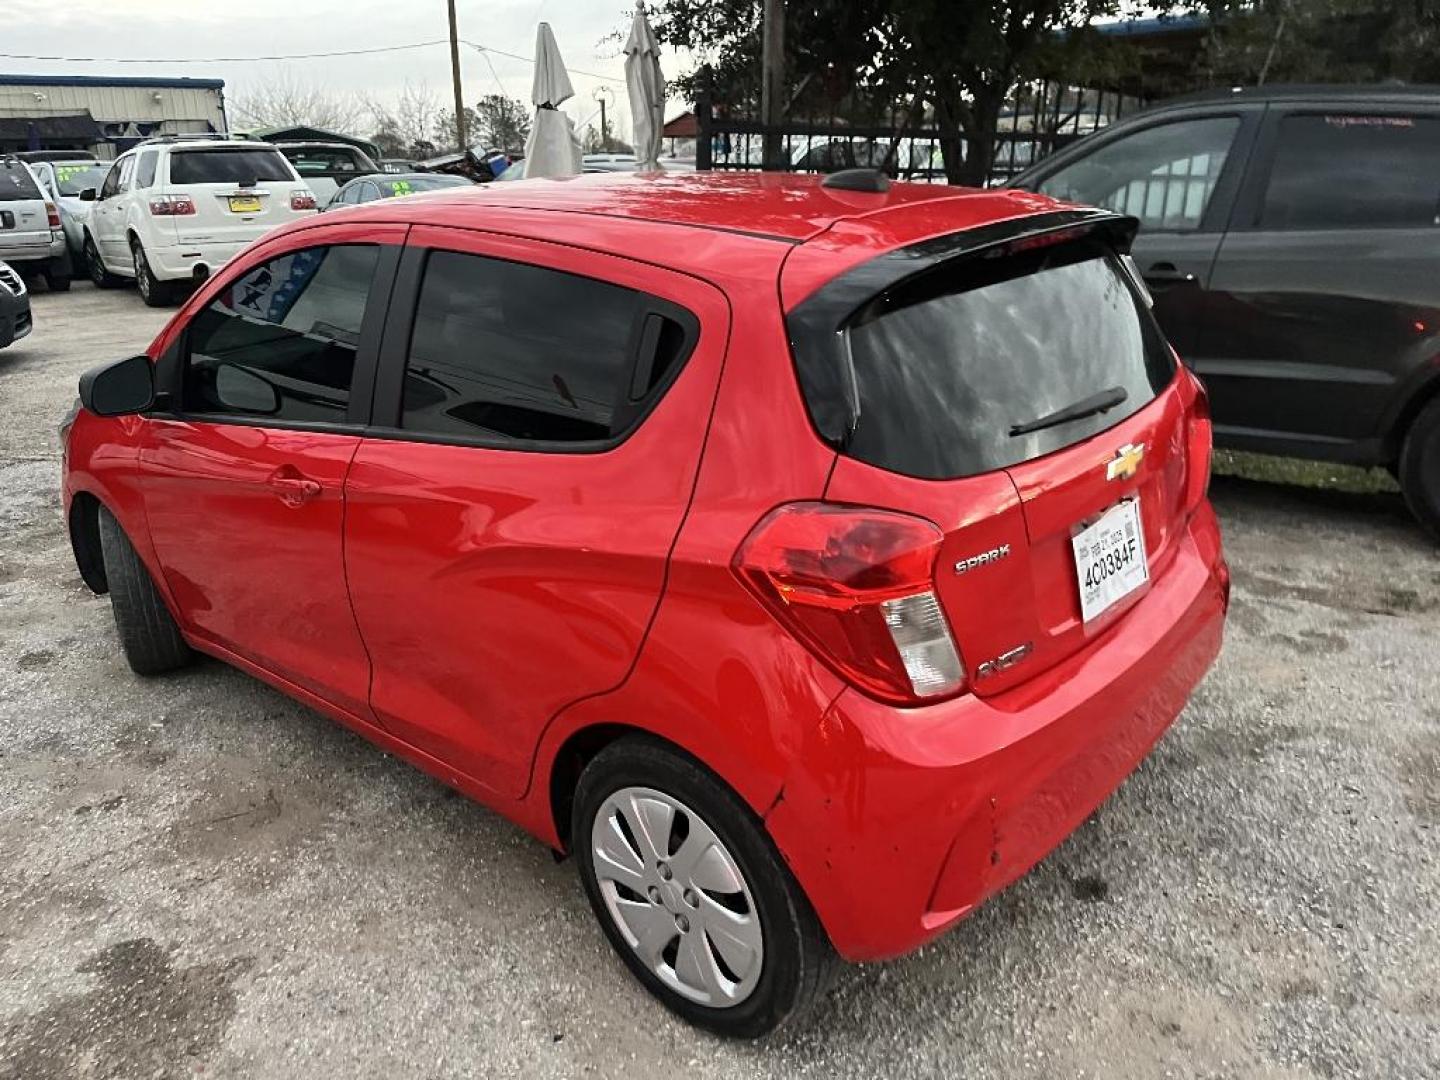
pixel 241 389
pixel 88 195
pixel 123 388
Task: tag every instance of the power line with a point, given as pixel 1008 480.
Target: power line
pixel 531 60
pixel 219 59
pixel 483 49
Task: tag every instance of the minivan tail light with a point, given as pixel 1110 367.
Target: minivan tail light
pixel 302 200
pixel 1200 449
pixel 52 215
pixel 856 585
pixel 171 205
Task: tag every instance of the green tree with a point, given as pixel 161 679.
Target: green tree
pixel 501 122
pixel 1324 41
pixel 958 61
pixel 442 132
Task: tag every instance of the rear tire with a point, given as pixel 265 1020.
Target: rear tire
pixel 57 281
pixel 677 915
pixel 154 292
pixel 148 633
pixel 1419 471
pixel 102 278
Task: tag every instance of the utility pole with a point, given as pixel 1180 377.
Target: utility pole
pixel 602 94
pixel 455 77
pixel 772 82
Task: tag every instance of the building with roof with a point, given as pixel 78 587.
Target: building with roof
pixel 104 114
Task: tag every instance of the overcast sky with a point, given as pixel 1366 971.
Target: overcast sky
pixel 584 29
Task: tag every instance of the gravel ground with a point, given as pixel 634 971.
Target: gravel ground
pixel 198 876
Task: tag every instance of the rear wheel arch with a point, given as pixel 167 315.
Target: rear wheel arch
pixel 1406 416
pixel 84 528
pixel 581 747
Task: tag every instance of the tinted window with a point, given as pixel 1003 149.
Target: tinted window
pixel 1335 172
pixel 321 159
pixel 409 185
pixel 127 172
pixel 949 363
pixel 509 351
pixel 16 182
pixel 112 182
pixel 226 166
pixel 145 176
pixel 75 176
pixel 280 341
pixel 1163 175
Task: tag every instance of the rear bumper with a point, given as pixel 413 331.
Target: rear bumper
pixel 177 262
pixel 899 822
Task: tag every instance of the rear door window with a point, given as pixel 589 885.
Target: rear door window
pixel 279 342
pixel 506 352
pixel 1163 175
pixel 217 166
pixel 1345 171
pixel 963 369
pixel 145 174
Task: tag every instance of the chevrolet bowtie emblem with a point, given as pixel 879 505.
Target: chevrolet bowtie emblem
pixel 1125 463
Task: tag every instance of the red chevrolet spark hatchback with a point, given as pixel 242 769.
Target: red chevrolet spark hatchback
pixel 808 558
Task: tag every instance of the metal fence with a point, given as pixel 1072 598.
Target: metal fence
pixel 903 139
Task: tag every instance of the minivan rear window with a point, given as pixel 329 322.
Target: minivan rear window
pixel 16 182
pixel 215 166
pixel 970 367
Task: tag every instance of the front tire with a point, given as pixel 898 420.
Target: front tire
pixel 153 291
pixel 1419 471
pixel 692 894
pixel 148 633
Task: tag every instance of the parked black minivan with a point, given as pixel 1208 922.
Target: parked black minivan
pixel 1291 238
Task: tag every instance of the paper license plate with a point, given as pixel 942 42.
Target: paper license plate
pixel 244 204
pixel 1110 558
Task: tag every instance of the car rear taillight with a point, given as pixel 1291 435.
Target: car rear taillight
pixel 856 585
pixel 302 200
pixel 53 215
pixel 171 205
pixel 1200 444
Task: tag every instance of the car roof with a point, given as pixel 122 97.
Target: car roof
pixel 721 226
pixel 788 207
pixel 315 144
pixel 1308 92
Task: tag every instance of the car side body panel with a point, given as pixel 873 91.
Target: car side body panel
pixel 494 586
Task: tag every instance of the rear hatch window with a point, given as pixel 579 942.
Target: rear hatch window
pixel 1022 398
pixel 217 166
pixel 972 367
pixel 16 182
pixel 75 176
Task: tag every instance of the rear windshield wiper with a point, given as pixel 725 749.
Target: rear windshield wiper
pixel 1104 401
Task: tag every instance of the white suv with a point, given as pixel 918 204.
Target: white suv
pixel 174 210
pixel 31 239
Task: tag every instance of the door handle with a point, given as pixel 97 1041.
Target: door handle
pixel 294 490
pixel 1163 275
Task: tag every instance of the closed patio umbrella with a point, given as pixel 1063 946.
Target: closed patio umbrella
pixel 647 90
pixel 552 149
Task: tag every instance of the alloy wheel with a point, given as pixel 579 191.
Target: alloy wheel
pixel 677 896
pixel 142 272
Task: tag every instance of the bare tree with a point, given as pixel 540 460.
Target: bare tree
pixel 407 127
pixel 282 99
